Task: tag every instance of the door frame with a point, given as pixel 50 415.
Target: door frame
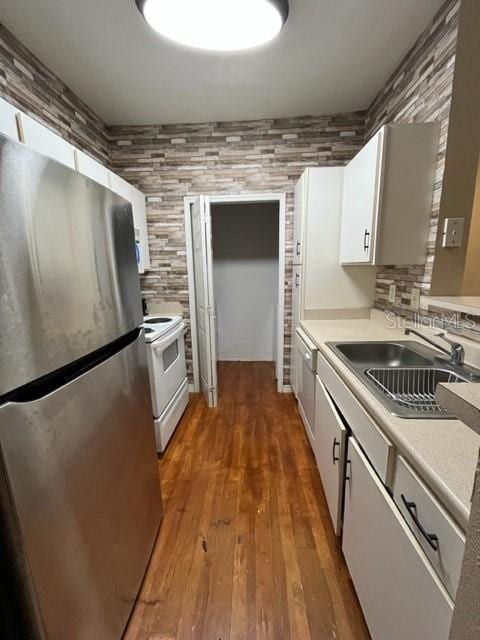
pixel 249 198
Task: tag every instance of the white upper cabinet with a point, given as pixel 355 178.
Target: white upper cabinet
pixel 120 186
pixel 360 203
pixel 139 210
pixel 36 136
pixel 91 168
pixel 387 197
pixel 8 120
pixel 39 138
pixel 299 218
pixel 140 222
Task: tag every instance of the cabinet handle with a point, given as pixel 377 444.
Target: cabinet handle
pixel 336 444
pixel 411 507
pixel 298 248
pixel 348 465
pixel 366 240
pixel 297 280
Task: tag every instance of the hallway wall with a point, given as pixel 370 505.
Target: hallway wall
pixel 245 276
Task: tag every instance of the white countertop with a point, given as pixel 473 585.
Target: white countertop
pixel 444 452
pixel 463 400
pixel 463 304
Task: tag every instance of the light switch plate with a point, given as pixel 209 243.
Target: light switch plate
pixel 415 299
pixel 392 292
pixel 453 232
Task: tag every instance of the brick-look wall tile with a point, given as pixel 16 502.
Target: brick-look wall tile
pixel 420 90
pixel 171 162
pixel 31 87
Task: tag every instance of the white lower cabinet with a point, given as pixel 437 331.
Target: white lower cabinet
pixel 400 594
pixel 297 276
pixel 329 449
pixel 439 536
pixel 306 355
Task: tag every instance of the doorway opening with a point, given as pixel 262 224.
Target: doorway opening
pixel 236 274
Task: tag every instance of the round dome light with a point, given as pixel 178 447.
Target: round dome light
pixel 218 25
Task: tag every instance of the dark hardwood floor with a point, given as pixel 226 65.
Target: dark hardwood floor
pixel 246 549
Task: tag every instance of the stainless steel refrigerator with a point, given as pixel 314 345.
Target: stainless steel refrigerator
pixel 80 501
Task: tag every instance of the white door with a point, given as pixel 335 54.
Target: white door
pixel 399 592
pixel 329 449
pixel 360 203
pixel 205 304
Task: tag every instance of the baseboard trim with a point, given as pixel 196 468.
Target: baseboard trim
pixel 287 388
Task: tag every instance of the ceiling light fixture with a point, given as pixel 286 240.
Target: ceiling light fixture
pixel 218 25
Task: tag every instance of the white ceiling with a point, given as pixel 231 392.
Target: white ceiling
pixel 332 56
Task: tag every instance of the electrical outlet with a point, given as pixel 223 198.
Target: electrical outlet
pixel 392 292
pixel 415 299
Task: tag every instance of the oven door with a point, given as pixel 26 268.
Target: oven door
pixel 167 368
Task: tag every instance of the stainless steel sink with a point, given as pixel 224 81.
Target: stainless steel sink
pixel 403 375
pixel 383 354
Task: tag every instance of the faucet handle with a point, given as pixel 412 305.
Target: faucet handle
pixel 442 335
pixel 458 352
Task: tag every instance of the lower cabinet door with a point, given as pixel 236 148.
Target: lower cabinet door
pixel 329 449
pixel 400 594
pixel 297 281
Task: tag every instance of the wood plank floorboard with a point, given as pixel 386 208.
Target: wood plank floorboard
pixel 246 550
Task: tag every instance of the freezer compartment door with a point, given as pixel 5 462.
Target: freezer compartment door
pixel 68 273
pixel 82 472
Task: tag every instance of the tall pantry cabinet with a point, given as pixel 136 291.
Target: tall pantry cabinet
pixel 321 287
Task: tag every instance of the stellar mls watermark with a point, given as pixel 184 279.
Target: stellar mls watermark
pixel 443 321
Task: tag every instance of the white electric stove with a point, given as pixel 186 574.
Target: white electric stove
pixel 167 370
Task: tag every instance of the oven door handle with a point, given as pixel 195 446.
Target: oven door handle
pixel 158 345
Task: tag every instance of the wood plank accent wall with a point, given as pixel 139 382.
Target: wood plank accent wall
pixel 420 90
pixel 170 162
pixel 29 85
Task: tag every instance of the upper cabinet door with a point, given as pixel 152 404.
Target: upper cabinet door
pixel 387 197
pixel 91 168
pixel 8 120
pixel 299 218
pixel 37 137
pixel 120 186
pixel 360 204
pixel 137 199
pixel 140 221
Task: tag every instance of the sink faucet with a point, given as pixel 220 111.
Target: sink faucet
pixel 456 353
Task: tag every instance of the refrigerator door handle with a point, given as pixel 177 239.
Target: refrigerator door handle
pixel 59 378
